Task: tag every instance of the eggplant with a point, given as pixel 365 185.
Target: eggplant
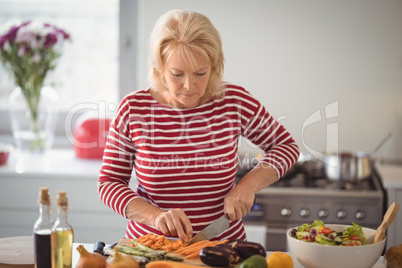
pixel 234 256
pixel 213 256
pixel 247 249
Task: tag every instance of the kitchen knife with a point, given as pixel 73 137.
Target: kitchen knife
pixel 212 230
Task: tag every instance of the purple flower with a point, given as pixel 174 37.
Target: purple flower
pixel 64 34
pixel 23 50
pixel 50 40
pixel 35 40
pixel 24 35
pixel 12 34
pixel 25 23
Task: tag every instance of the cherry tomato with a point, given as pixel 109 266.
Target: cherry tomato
pixel 354 237
pixel 326 231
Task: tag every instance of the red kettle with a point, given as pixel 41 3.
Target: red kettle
pixel 90 134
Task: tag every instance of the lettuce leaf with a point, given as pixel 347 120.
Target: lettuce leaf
pixel 308 226
pixel 355 230
pixel 317 224
pixel 303 227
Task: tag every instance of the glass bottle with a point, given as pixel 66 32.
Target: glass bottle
pixel 62 235
pixel 42 231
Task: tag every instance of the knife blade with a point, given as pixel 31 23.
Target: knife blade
pixel 212 230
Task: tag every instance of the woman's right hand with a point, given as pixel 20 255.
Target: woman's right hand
pixel 174 223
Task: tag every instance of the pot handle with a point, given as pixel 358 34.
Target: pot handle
pixel 380 143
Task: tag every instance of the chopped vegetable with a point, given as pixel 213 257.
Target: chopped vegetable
pixel 193 250
pixel 148 253
pixel 355 230
pixel 160 242
pixel 318 233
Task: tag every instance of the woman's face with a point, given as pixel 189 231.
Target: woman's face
pixel 186 86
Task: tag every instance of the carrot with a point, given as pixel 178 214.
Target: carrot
pixel 199 243
pixel 193 252
pixel 159 242
pixel 188 251
pixel 192 255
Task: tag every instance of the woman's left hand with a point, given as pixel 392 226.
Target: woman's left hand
pixel 239 201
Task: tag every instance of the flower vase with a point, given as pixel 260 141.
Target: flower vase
pixel 33 126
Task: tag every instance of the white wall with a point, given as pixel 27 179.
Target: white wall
pixel 298 57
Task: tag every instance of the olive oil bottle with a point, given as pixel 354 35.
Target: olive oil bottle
pixel 62 235
pixel 42 231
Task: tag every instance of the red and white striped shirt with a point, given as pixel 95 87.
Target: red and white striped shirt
pixel 187 158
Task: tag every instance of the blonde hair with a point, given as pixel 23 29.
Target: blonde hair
pixel 188 34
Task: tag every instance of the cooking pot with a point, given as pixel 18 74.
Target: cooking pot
pixel 349 166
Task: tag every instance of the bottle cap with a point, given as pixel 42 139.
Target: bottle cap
pixel 62 199
pixel 44 197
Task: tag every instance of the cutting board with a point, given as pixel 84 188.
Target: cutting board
pixel 17 252
pixel 196 261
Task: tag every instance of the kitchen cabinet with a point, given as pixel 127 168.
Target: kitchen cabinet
pixel 59 170
pixel 392 180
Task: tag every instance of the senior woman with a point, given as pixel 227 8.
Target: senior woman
pixel 181 136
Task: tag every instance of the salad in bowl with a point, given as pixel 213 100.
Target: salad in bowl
pixel 317 232
pixel 320 245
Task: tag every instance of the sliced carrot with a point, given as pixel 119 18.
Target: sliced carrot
pixel 159 242
pixel 196 244
pixel 198 249
pixel 192 255
pixel 193 251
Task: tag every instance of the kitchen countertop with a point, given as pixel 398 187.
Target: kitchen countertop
pixel 89 247
pixel 53 163
pixel 391 175
pixel 59 162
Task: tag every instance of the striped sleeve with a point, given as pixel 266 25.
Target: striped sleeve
pixel 118 157
pixel 262 129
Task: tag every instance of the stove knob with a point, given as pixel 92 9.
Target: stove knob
pixel 360 215
pixel 341 214
pixel 304 212
pixel 323 213
pixel 286 212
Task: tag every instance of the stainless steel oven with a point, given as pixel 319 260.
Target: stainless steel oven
pixel 304 195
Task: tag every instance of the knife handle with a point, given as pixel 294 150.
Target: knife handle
pixel 98 247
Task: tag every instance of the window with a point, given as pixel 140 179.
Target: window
pixel 88 71
pixel 88 68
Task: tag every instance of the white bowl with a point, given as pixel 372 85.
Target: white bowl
pixel 313 255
